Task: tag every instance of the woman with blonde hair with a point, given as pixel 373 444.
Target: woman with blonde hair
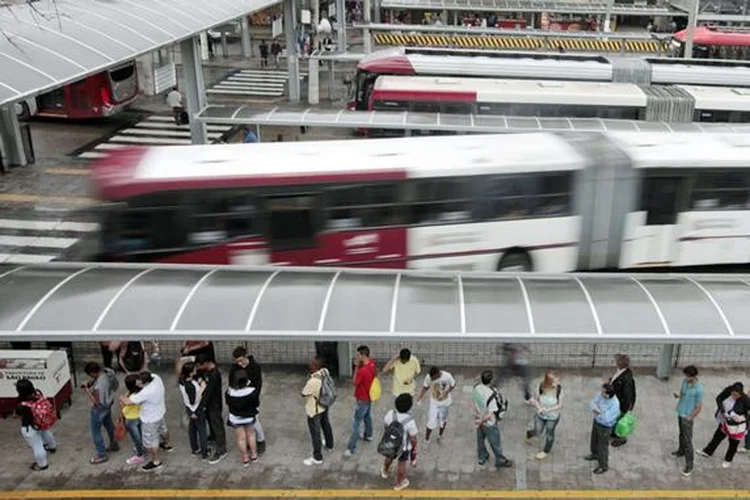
pixel 548 402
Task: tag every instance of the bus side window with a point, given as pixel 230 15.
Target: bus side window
pixel 727 190
pixel 440 201
pixel 363 205
pixel 552 195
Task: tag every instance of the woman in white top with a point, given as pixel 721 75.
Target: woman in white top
pixel 548 402
pixel 192 395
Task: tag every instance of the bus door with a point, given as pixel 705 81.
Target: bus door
pixel 655 234
pixel 292 227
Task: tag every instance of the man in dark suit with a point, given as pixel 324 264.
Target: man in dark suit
pixel 624 385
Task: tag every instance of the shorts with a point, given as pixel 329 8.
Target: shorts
pixel 405 456
pixel 151 433
pixel 437 416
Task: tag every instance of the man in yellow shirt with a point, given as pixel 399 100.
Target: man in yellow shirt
pixel 317 415
pixel 405 368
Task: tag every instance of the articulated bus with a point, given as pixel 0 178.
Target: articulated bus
pixel 715 42
pixel 538 202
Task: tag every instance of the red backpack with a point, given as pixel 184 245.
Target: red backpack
pixel 43 411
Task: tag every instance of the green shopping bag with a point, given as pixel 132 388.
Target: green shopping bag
pixel 626 425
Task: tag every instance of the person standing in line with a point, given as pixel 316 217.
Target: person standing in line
pixel 40 441
pixel 99 390
pixel 487 408
pixel 406 368
pixel 364 374
pixel 624 385
pixel 174 101
pixel 401 414
pixel 191 391
pixel 243 361
pixel 317 415
pixel 213 406
pixel 548 404
pixel 132 416
pixel 107 354
pixel 155 433
pixel 131 356
pixel 242 402
pixel 440 383
pixel 733 407
pixel 276 52
pixel 606 410
pixel 689 405
pixel 263 48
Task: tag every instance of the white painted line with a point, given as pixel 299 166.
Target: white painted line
pixel 36 241
pixel 91 155
pixel 107 145
pixel 245 83
pixel 174 126
pixel 149 140
pixel 264 73
pixel 239 92
pixel 43 225
pixel 257 78
pixel 164 133
pixel 22 258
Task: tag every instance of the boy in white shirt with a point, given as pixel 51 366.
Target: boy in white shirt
pixel 440 383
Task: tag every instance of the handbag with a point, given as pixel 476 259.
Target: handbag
pixel 626 425
pixel 376 389
pixel 120 430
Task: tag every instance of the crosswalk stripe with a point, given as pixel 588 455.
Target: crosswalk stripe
pixel 164 133
pixel 49 225
pixel 150 140
pixel 244 92
pixel 21 258
pixel 265 85
pixel 92 155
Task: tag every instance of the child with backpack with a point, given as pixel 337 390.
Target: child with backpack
pixel 131 414
pixel 399 440
pixel 548 402
pixel 38 416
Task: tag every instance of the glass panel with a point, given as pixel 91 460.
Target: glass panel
pixel 620 126
pixel 645 126
pixel 559 306
pixel 152 302
pixel 494 123
pixel 20 292
pixel 223 301
pixel 523 123
pixel 80 302
pixel 421 119
pixel 582 124
pixel 623 307
pixel 685 307
pixel 455 120
pixel 555 124
pixel 428 305
pixel 387 118
pixel 495 305
pixel 292 302
pixel 321 116
pixel 733 298
pixel 361 303
pixel 214 111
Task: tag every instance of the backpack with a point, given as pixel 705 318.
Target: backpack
pixel 557 395
pixel 43 411
pixel 502 404
pixel 327 395
pixel 391 444
pixel 114 384
pixel 134 355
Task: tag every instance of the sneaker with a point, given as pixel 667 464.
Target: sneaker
pixel 687 472
pixel 504 464
pixel 113 447
pixel 166 447
pixel 600 470
pixel 540 456
pixel 54 450
pixel 482 462
pixel 348 453
pixel 383 472
pixel 134 460
pixel 741 449
pixel 590 458
pixel 402 485
pixel 311 461
pixel 151 466
pixel 246 462
pixel 368 439
pixel 329 450
pixel 703 454
pixel 726 465
pixel 218 457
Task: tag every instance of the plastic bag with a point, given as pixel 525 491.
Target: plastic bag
pixel 120 430
pixel 626 425
pixel 375 389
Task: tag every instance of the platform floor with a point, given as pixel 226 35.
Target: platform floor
pixel 447 469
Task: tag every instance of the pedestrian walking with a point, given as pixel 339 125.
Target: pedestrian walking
pixel 733 407
pixel 606 410
pixel 488 408
pixel 213 406
pixel 242 402
pixel 624 385
pixel 517 364
pixel 100 391
pixel 263 48
pixel 405 367
pixel 131 415
pixel 276 52
pixel 440 383
pixel 400 424
pixel 689 405
pixel 548 403
pixel 364 374
pixel 247 363
pixel 174 101
pixel 317 411
pixel 38 416
pixel 155 434
pixel 191 390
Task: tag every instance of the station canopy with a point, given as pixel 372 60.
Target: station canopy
pixel 70 301
pixel 468 123
pixel 48 43
pixel 556 6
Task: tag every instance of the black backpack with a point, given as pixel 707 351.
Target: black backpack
pixel 392 443
pixel 502 403
pixel 134 356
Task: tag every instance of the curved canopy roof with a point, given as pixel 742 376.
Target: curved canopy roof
pixel 87 302
pixel 49 43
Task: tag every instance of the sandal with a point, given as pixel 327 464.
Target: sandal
pixel 98 460
pixel 36 467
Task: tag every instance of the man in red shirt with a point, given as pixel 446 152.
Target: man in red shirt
pixel 364 374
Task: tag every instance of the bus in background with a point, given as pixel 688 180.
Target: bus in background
pixel 534 202
pixel 100 95
pixel 715 42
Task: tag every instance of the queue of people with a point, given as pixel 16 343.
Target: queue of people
pixel 142 412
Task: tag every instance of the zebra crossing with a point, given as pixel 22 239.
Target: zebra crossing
pixel 37 241
pixel 252 82
pixel 155 130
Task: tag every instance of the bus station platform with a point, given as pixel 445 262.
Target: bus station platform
pixel 643 468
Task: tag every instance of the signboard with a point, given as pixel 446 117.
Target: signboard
pixel 277 27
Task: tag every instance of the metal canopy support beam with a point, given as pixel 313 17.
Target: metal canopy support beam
pixel 292 60
pixel 366 36
pixel 692 22
pixel 313 81
pixel 13 153
pixel 341 17
pixel 194 87
pixel 247 50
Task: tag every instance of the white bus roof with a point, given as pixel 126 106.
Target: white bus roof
pixel 521 91
pixel 719 98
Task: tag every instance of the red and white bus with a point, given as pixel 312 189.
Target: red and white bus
pixel 537 202
pixel 714 42
pixel 96 96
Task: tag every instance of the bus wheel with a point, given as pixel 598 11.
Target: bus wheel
pixel 515 261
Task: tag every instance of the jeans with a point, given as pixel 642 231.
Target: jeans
pixel 133 426
pixel 197 434
pixel 600 443
pixel 362 411
pixel 314 424
pixel 546 427
pixel 490 433
pixel 37 440
pixel 216 423
pixel 99 417
pixel 686 441
pixel 716 440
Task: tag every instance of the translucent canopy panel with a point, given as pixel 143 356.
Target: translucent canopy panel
pixel 49 43
pixel 68 301
pixel 406 120
pixel 562 6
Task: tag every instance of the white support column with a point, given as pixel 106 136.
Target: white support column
pixel 313 81
pixel 665 361
pixel 376 10
pixel 224 45
pixel 195 92
pixel 692 22
pixel 331 81
pixel 344 351
pixel 608 16
pixel 292 59
pixel 366 38
pixel 341 16
pixel 247 50
pixel 10 137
